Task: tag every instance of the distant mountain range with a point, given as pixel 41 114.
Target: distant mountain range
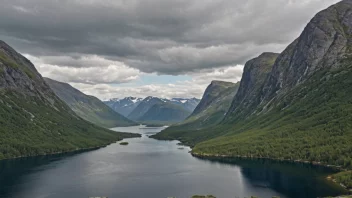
pixel 88 107
pixel 124 106
pixel 154 109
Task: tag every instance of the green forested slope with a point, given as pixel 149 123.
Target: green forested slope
pixel 33 120
pixel 301 109
pixel 311 123
pixel 210 111
pixel 87 107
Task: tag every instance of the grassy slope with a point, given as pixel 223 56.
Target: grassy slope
pixel 33 120
pixel 88 107
pixel 313 122
pixel 211 114
pixel 29 127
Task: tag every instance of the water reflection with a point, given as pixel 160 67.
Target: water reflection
pixel 291 179
pixel 157 169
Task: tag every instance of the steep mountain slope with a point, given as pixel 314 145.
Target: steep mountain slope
pixel 165 112
pixel 124 106
pixel 254 75
pixel 87 107
pixel 33 120
pixel 303 108
pixel 210 111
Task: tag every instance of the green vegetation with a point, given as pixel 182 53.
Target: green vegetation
pixel 210 111
pixel 344 178
pixel 32 126
pixel 7 61
pixel 310 123
pixel 11 63
pixel 88 107
pixel 124 143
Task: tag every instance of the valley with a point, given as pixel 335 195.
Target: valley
pixel 195 118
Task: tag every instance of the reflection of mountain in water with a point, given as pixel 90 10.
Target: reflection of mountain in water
pixel 294 180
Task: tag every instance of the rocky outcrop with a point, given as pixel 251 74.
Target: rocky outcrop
pixel 249 92
pixel 323 44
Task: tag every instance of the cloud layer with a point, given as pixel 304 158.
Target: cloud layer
pixel 105 42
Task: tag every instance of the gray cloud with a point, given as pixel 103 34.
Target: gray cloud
pixel 187 88
pixel 163 36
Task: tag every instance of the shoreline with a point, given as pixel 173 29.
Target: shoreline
pixel 65 152
pixel 58 152
pixel 330 178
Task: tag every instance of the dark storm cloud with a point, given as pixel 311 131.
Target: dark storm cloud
pixel 164 36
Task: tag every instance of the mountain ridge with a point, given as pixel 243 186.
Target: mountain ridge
pixel 300 109
pixel 34 121
pixel 88 107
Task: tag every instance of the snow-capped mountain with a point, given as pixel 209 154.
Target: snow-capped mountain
pixel 124 106
pixel 138 109
pixel 188 103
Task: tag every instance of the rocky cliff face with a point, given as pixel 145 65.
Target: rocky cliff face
pixel 249 92
pixel 87 107
pixel 18 74
pixel 302 110
pixel 325 41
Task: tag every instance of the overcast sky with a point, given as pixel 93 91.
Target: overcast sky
pixel 164 48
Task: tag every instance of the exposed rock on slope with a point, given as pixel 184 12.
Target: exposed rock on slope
pixel 305 102
pixel 249 92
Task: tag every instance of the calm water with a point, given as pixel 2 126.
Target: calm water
pixel 155 169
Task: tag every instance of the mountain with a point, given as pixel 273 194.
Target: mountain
pixel 188 103
pixel 166 113
pixel 34 121
pixel 124 106
pixel 301 109
pixel 143 107
pixel 153 110
pixel 210 111
pixel 87 107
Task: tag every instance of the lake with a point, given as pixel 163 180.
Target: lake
pixel 157 169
